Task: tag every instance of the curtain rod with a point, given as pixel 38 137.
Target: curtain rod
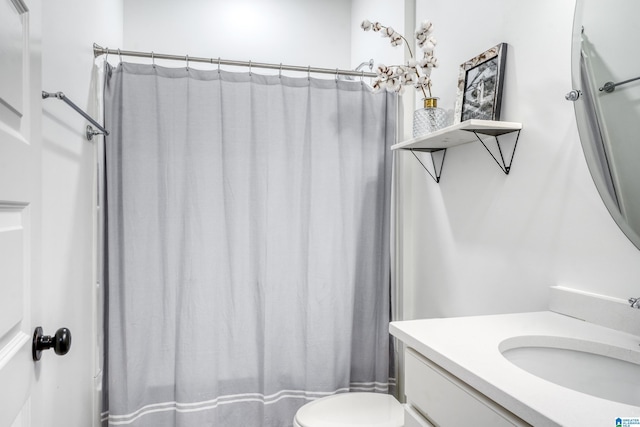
pixel 99 50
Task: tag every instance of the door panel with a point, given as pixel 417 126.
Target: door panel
pixel 15 377
pixel 12 41
pixel 20 200
pixel 12 267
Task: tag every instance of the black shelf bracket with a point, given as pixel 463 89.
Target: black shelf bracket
pixel 437 161
pixel 500 155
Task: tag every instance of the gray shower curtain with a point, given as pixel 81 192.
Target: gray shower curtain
pixel 247 245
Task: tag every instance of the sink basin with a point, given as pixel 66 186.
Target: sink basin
pixel 597 369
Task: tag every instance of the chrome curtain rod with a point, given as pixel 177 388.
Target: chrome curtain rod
pixel 99 50
pixel 90 131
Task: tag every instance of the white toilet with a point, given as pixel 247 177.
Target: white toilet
pixel 351 410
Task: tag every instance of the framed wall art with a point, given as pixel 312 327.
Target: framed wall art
pixel 480 85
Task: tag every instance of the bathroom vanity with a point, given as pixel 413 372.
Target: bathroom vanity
pixel 434 392
pixel 542 369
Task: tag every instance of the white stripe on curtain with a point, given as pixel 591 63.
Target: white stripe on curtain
pixel 247 260
pixel 247 397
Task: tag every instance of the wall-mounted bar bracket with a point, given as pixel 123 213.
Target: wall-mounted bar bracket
pixel 499 156
pixel 437 161
pixel 91 132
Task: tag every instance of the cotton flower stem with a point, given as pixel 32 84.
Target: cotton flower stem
pixel 425 93
pixel 406 43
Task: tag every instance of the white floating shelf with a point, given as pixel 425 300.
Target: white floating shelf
pixel 458 134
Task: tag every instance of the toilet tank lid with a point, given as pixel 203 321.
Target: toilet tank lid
pixel 352 409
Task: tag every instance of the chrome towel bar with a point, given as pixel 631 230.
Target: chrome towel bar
pixel 90 131
pixel 611 86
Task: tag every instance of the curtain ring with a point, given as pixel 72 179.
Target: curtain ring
pixel 249 67
pixel 309 72
pixel 186 57
pixel 106 55
pixel 119 55
pixel 336 75
pixel 280 72
pixel 362 77
pixel 153 60
pixel 218 65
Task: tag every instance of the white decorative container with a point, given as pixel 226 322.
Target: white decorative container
pixel 429 119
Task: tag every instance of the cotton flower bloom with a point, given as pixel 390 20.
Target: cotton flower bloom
pixel 393 85
pixel 426 27
pixel 423 80
pixel 409 78
pixel 384 72
pixel 423 63
pixel 382 69
pixel 428 44
pixel 429 61
pixel 366 25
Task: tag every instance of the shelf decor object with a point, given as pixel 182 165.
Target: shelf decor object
pixel 436 143
pixel 429 119
pixel 416 73
pixel 480 86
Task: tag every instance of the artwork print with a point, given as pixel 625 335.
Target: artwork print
pixel 480 86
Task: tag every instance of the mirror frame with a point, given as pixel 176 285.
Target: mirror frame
pixel 589 130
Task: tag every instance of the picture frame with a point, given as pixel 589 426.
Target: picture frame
pixel 480 84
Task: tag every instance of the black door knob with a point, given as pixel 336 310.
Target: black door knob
pixel 60 342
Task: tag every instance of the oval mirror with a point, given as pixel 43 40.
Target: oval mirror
pixel 606 71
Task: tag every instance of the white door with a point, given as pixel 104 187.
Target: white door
pixel 20 200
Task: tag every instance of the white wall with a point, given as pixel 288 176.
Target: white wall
pixel 293 32
pixel 69 29
pixel 483 242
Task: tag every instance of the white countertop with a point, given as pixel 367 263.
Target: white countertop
pixel 468 347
